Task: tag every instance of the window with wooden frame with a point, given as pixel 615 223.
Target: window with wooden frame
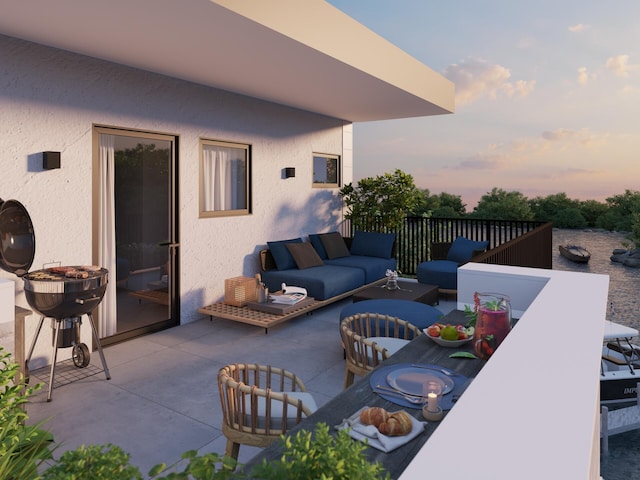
pixel 326 170
pixel 225 178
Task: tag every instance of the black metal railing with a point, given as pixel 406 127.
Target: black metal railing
pixel 511 242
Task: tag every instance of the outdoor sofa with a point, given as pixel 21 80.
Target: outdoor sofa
pixel 328 265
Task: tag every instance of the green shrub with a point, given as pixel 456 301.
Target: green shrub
pixel 95 462
pixel 199 467
pixel 321 457
pixel 23 448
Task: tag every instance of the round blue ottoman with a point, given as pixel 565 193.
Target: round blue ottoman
pixel 416 313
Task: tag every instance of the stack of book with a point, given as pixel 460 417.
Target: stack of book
pixel 287 298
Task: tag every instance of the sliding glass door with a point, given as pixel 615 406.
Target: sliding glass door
pixel 136 232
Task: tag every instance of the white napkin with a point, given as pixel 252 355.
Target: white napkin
pixel 376 439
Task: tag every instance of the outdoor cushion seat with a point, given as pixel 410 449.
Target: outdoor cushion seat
pixel 444 273
pixel 374 268
pixel 418 314
pixel 277 408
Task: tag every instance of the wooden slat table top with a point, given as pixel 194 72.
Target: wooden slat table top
pixel 267 320
pixel 256 317
pixel 419 350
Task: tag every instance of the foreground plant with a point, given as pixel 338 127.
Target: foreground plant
pixel 97 462
pixel 23 448
pixel 209 466
pixel 321 456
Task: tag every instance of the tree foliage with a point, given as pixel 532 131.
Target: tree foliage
pixel 441 205
pixel 393 195
pixel 389 197
pixel 499 204
pixel 621 212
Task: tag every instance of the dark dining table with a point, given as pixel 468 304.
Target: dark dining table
pixel 420 351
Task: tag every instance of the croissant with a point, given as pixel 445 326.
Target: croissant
pixel 374 416
pixel 399 423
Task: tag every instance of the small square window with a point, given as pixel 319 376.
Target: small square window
pixel 225 172
pixel 326 170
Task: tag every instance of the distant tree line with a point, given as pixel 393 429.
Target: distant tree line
pixel 619 212
pixel 393 195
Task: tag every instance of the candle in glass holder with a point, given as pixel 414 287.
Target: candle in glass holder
pixel 431 391
pixel 432 402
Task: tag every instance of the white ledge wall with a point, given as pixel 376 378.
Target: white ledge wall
pixel 533 410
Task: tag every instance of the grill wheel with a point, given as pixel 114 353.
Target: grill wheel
pixel 81 356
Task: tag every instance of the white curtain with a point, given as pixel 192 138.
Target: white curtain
pixel 223 177
pixel 107 310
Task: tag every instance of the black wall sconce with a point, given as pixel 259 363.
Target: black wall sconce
pixel 289 172
pixel 50 160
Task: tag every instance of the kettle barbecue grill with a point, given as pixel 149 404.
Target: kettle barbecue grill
pixel 63 294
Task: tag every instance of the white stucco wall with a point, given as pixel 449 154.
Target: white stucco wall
pixel 51 99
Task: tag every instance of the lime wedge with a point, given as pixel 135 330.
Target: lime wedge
pixel 462 355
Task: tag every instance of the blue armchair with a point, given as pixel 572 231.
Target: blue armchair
pixel 444 273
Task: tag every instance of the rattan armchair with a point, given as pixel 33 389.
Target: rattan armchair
pixel 371 338
pixel 260 403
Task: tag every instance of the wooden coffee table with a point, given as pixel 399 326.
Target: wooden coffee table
pixel 414 291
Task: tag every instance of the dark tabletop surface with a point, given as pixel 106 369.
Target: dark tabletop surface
pixel 421 350
pixel 413 291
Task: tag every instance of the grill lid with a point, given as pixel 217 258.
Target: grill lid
pixel 17 239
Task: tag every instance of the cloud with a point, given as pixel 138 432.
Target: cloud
pixel 476 79
pixel 584 76
pixel 620 65
pixel 630 89
pixel 481 162
pixel 582 137
pixel 580 27
pixel 523 151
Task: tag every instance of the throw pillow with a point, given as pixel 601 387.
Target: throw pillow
pixel 334 245
pixel 462 249
pixel 373 244
pixel 304 255
pixel 316 241
pixel 281 255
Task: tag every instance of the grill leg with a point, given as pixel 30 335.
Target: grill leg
pixel 95 336
pixel 33 342
pixel 54 358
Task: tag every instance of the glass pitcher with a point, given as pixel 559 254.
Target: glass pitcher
pixel 493 322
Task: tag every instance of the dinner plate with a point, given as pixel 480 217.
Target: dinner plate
pixel 410 380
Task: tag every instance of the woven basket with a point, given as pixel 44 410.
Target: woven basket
pixel 239 291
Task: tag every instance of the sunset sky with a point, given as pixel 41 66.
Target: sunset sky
pixel 547 97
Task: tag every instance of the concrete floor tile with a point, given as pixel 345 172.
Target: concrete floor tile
pixel 163 398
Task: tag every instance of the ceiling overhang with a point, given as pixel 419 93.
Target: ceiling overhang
pixel 303 54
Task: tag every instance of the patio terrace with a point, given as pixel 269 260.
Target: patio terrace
pixel 162 398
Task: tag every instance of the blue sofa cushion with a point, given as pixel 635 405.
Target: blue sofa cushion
pixel 334 245
pixel 374 268
pixel 304 255
pixel 281 255
pixel 462 249
pixel 416 313
pixel 316 241
pixel 443 273
pixel 373 244
pixel 321 283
